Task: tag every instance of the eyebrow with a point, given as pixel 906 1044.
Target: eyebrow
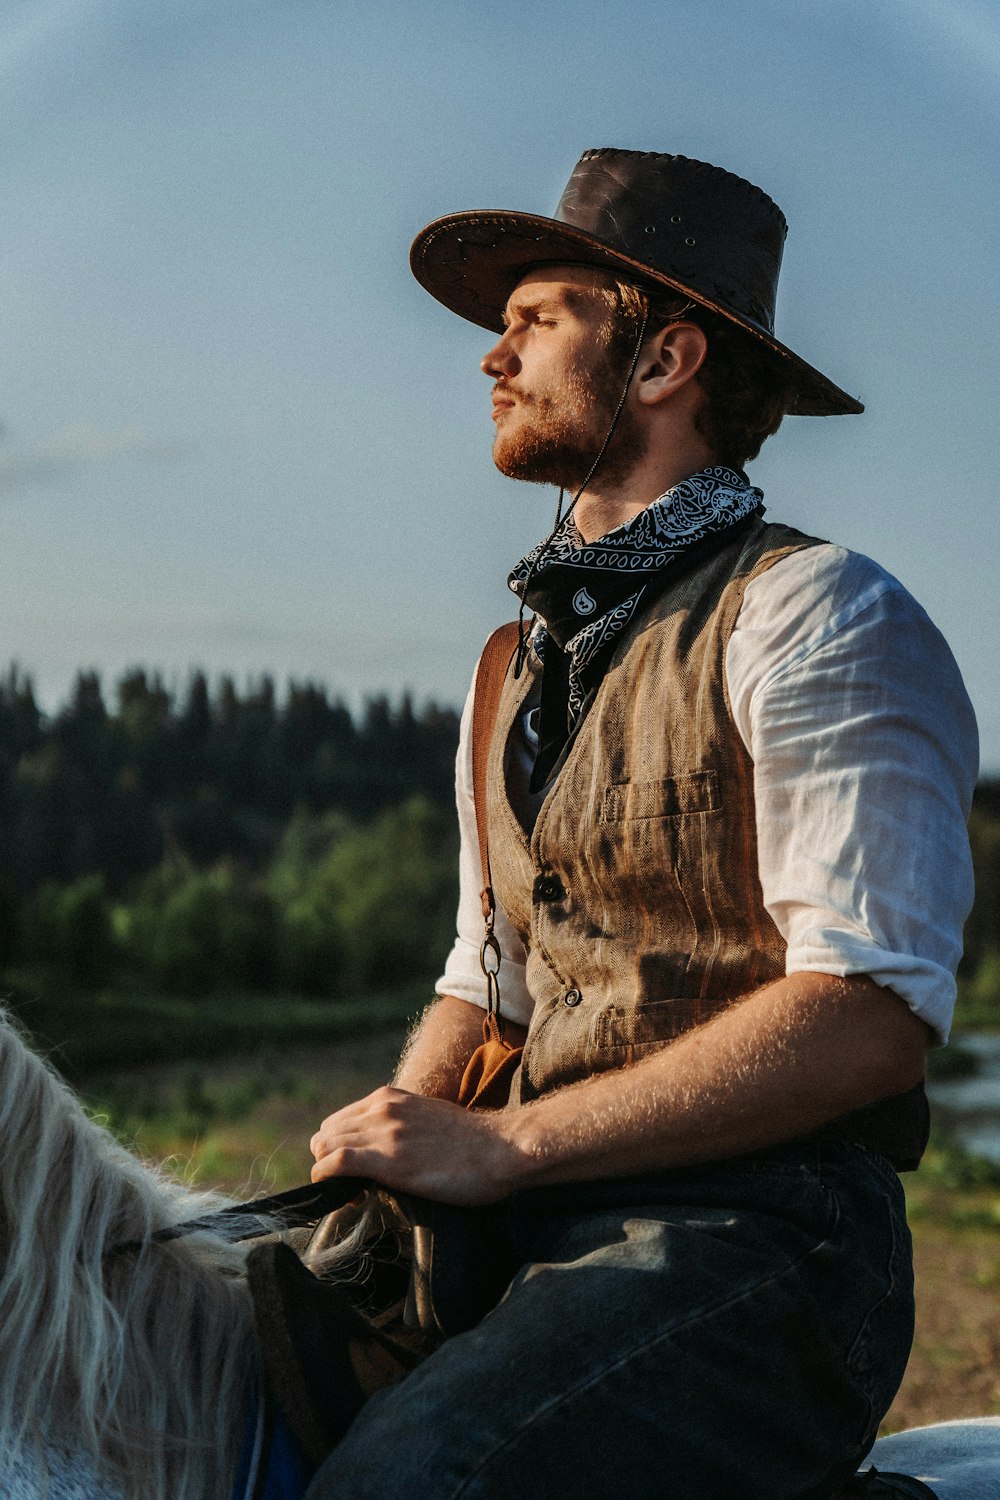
pixel 535 305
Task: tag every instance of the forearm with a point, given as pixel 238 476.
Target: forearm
pixel 773 1067
pixel 439 1047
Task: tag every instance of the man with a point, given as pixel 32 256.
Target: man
pixel 728 785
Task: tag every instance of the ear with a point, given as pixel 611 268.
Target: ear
pixel 674 357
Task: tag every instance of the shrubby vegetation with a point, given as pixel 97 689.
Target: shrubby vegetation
pixel 225 843
pixel 979 973
pixel 213 842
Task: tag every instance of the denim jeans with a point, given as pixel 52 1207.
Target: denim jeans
pixel 732 1332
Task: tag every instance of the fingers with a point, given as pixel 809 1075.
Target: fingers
pixel 345 1162
pixel 376 1113
pixel 414 1143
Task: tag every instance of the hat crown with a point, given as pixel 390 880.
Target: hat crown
pixel 685 219
pixel 653 219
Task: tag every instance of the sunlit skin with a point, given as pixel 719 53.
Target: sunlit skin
pixel 777 1063
pixel 556 387
pixel 557 381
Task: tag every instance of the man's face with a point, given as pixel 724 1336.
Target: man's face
pixel 558 377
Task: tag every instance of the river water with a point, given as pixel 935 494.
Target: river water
pixel 970 1107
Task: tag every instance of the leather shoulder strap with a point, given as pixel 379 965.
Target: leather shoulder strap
pixel 490 676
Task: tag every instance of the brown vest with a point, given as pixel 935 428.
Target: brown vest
pixel 636 893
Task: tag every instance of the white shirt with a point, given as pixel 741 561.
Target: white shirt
pixel 865 753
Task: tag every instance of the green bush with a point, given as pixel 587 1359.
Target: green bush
pixel 193 931
pixel 979 996
pixel 312 946
pixel 982 930
pixel 10 923
pixel 343 907
pixel 365 905
pixel 395 887
pixel 70 927
pixel 312 952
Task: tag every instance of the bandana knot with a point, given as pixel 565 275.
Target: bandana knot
pixel 585 594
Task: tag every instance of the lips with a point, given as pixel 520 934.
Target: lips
pixel 502 401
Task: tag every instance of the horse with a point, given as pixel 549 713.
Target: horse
pixel 131 1365
pixel 956 1460
pixel 130 1362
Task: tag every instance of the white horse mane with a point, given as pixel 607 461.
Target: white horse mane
pixel 140 1359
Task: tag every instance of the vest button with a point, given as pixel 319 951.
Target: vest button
pixel 572 997
pixel 548 888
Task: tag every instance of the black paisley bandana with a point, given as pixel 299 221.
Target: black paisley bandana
pixel 586 594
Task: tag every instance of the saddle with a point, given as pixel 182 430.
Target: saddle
pixel 322 1358
pixel 431 1271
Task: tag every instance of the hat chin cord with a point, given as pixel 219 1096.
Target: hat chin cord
pixel 522 633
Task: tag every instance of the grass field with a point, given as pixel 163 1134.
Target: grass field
pixel 88 1035
pixel 954 1369
pixel 242 1122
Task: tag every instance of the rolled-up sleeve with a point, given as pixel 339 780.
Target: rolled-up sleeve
pixel 463 976
pixel 865 756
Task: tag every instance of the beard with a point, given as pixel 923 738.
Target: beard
pixel 555 438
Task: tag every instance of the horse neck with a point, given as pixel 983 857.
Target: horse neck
pixel 139 1358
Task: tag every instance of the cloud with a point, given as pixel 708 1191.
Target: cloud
pixel 80 447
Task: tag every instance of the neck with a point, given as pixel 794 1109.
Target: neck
pixel 600 511
pixel 615 499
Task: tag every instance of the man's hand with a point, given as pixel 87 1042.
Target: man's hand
pixel 420 1145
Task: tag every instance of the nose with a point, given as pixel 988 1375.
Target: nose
pixel 501 360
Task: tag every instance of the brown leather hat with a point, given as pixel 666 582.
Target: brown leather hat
pixel 648 217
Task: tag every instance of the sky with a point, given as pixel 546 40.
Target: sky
pixel 234 432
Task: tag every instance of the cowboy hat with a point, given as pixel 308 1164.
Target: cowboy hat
pixel 663 221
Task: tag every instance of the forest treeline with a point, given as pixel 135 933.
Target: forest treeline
pixel 979 973
pixel 218 840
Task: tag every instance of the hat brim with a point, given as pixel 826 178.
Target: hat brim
pixel 472 261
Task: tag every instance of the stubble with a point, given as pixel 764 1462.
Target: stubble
pixel 554 438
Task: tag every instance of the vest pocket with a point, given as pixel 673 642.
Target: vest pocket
pixel 654 844
pixel 693 792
